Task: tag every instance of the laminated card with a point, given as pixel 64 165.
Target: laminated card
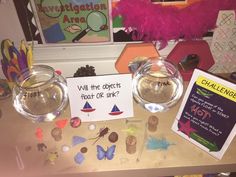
pixel 101 98
pixel 206 116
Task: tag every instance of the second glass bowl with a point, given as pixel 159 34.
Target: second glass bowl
pixel 157 85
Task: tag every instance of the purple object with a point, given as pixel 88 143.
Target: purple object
pixel 105 154
pixel 77 140
pixel 79 158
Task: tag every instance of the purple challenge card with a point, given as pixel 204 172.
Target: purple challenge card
pixel 206 116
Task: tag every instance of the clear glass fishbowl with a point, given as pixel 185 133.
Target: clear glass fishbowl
pixel 40 94
pixel 157 85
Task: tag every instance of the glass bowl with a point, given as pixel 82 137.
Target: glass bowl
pixel 40 94
pixel 157 85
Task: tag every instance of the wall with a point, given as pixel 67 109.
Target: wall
pixel 66 59
pixel 9 22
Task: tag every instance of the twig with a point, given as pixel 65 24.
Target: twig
pixel 143 144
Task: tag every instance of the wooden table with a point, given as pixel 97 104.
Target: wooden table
pixel 18 141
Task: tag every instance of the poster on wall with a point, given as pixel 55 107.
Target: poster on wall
pixel 73 21
pixel 207 114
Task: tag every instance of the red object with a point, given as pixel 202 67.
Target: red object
pixel 184 48
pixel 115 113
pixel 88 110
pixel 39 134
pixel 75 122
pixel 58 72
pixel 186 128
pixel 61 123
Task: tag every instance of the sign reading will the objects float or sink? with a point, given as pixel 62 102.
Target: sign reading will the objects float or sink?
pixel 99 98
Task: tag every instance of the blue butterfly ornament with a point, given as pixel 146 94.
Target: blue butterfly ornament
pixel 108 154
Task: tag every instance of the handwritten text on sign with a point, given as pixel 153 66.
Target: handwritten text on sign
pixel 101 97
pixel 113 89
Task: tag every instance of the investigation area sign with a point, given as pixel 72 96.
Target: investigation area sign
pixel 73 21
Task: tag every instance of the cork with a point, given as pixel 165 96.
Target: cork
pixel 56 134
pixel 131 142
pixel 152 123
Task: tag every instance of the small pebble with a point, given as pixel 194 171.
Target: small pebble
pixel 65 148
pixel 113 137
pixel 92 127
pixel 83 149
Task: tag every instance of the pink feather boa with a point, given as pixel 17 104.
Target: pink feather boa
pixel 155 22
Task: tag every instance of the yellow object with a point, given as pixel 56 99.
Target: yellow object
pixel 217 88
pixel 23 46
pixel 29 56
pixel 52 156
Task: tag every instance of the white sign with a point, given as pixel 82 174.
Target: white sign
pixel 100 98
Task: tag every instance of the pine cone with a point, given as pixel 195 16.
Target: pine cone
pixel 85 71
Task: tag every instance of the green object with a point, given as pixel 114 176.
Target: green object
pixel 211 146
pixel 118 22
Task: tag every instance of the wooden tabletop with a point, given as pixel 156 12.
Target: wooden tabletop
pixel 20 156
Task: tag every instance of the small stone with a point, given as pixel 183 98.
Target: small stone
pixel 113 137
pixel 92 127
pixel 83 150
